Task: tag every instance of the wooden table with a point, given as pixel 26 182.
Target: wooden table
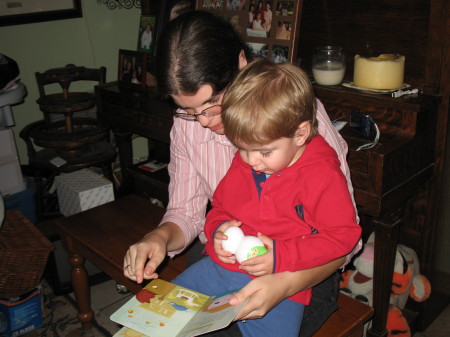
pixel 102 235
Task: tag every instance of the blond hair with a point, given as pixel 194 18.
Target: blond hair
pixel 268 101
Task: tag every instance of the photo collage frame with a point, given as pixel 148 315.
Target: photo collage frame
pixel 155 15
pixel 269 27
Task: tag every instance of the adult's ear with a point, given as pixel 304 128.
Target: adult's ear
pixel 303 132
pixel 242 60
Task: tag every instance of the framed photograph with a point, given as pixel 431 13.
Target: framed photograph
pixel 147 35
pixel 269 27
pixel 21 11
pixel 170 9
pixel 132 69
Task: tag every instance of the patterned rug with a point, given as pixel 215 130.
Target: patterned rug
pixel 60 313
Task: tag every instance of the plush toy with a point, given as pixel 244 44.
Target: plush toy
pixel 406 281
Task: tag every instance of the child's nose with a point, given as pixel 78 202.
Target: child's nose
pixel 253 158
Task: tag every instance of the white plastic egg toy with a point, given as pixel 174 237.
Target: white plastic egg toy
pixel 235 236
pixel 250 247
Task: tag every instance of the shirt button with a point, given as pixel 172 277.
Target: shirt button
pixel 266 197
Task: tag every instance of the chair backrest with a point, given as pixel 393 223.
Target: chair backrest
pixel 68 74
pixel 65 102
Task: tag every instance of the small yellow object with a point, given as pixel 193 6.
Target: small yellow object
pixel 385 71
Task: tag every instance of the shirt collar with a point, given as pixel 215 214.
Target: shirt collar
pixel 207 135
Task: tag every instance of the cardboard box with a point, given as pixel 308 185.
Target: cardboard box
pixel 21 315
pixel 11 178
pixel 24 201
pixel 82 190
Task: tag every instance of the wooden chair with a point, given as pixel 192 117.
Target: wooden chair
pixel 69 142
pixel 80 141
pixel 348 320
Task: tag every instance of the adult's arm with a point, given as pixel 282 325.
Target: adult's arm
pixel 267 291
pixel 184 218
pixel 187 191
pixel 143 257
pixel 335 140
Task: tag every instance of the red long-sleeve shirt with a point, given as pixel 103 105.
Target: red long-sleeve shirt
pixel 305 208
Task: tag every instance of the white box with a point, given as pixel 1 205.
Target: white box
pixel 82 190
pixel 11 178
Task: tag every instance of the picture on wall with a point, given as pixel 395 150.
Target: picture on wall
pixel 132 68
pixel 170 9
pixel 269 27
pixel 280 54
pixel 21 12
pixel 147 34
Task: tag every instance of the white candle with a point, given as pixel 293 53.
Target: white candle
pixel 383 72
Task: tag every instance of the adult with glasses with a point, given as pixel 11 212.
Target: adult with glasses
pixel 198 55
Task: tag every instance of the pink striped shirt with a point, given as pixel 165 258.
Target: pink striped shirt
pixel 199 158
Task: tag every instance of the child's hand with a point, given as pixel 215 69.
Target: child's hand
pixel 223 255
pixel 262 264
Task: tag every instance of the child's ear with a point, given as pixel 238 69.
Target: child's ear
pixel 302 133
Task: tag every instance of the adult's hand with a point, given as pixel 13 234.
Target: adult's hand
pixel 142 258
pixel 267 291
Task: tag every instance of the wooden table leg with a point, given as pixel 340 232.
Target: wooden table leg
pixel 386 240
pixel 81 290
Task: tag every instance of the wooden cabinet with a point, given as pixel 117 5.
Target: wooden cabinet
pixel 396 183
pixel 142 113
pixel 386 176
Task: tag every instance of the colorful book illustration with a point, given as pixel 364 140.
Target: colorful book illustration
pixel 163 309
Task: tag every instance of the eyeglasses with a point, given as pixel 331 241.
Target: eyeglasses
pixel 190 114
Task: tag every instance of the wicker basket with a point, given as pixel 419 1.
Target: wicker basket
pixel 24 251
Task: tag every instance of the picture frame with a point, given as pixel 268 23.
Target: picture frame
pixel 23 12
pixel 147 34
pixel 132 69
pixel 269 27
pixel 170 9
pixel 151 7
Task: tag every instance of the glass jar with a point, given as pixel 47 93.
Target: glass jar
pixel 328 65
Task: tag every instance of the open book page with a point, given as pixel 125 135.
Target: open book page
pixel 163 309
pixel 215 314
pixel 127 332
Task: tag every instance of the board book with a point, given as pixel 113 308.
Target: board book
pixel 163 309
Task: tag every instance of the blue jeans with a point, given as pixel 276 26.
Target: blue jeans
pixel 208 278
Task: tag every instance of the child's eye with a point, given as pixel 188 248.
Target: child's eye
pixel 265 154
